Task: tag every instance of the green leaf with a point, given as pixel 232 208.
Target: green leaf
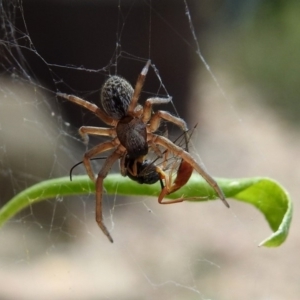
pixel 265 194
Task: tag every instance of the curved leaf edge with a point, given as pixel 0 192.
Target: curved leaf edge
pixel 265 194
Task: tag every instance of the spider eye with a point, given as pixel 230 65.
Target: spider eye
pixel 116 95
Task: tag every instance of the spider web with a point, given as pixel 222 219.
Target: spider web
pixel 55 249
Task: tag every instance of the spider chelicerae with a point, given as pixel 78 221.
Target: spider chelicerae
pixel 132 132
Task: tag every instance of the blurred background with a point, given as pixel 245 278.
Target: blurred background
pixel 244 97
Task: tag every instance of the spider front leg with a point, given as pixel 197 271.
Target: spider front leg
pixel 189 159
pixel 147 110
pixel 138 88
pixel 99 189
pixel 95 151
pixel 156 118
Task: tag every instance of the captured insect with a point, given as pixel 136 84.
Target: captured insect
pixel 132 132
pixel 149 172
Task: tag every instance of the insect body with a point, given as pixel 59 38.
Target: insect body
pixel 146 171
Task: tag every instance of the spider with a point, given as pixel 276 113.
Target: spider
pixel 132 128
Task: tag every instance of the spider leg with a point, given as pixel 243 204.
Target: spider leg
pixel 189 159
pixel 138 88
pixel 84 131
pixel 123 169
pixel 155 123
pixel 147 111
pixel 156 118
pixel 91 107
pixel 95 151
pixel 99 189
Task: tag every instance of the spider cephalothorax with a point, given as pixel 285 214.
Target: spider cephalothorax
pixel 131 132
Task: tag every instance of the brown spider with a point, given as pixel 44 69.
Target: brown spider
pixel 132 133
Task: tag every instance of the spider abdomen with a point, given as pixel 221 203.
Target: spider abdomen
pixel 132 135
pixel 116 95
